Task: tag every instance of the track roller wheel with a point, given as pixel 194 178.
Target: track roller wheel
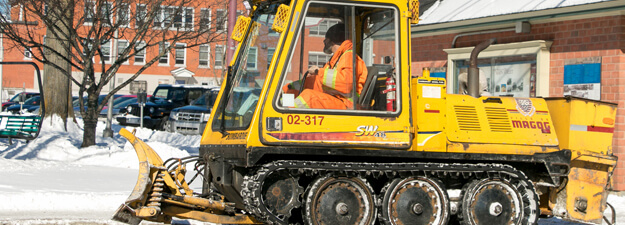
pixel 340 201
pixel 281 194
pixel 499 201
pixel 415 200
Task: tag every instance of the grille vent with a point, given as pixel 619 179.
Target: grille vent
pixel 498 119
pixel 467 118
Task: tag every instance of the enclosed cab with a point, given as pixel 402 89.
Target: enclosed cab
pixel 156 110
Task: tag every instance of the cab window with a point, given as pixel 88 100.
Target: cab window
pixel 326 76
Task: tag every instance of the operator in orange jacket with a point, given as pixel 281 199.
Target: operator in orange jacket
pixel 330 87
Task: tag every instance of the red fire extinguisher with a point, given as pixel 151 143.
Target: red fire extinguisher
pixel 390 93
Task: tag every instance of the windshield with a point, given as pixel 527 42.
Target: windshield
pixel 250 71
pixel 209 96
pixel 124 103
pixel 32 101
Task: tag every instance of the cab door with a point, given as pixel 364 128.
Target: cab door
pixel 373 112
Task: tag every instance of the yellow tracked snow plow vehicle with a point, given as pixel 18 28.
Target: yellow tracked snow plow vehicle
pixel 400 151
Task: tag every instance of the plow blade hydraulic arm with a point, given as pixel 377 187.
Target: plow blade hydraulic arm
pixel 157 194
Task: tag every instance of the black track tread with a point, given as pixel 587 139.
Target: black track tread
pixel 252 183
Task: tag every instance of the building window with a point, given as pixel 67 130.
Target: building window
pixel 252 58
pixel 121 46
pixel 141 15
pixel 180 53
pixel 28 54
pixel 219 56
pixel 205 19
pixel 181 18
pixel 505 70
pixel 270 52
pixel 220 20
pixel 323 27
pixel 204 57
pixel 318 59
pixel 140 53
pixel 105 48
pixel 105 12
pixel 89 12
pixel 163 51
pixel 123 14
pixel 5 9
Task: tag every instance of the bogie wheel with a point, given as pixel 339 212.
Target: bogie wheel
pixel 499 201
pixel 340 201
pixel 415 200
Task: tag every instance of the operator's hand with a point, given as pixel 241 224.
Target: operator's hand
pixel 313 70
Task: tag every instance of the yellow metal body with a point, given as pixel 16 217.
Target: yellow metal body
pixel 586 127
pixel 427 119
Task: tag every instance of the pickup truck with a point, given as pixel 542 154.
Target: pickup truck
pixel 165 98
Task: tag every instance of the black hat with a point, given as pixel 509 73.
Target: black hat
pixel 336 33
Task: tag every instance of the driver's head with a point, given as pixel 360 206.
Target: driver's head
pixel 334 36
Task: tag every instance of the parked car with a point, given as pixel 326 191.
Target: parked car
pixel 158 107
pixel 76 103
pixel 15 99
pixel 29 106
pixel 192 119
pixel 120 104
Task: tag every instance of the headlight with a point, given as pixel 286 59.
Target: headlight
pixel 151 110
pixel 173 115
pixel 129 109
pixel 205 116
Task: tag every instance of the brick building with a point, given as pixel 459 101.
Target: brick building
pixel 543 49
pixel 195 65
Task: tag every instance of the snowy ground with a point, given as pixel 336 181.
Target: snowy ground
pixel 52 181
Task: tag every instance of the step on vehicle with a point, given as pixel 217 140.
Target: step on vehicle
pixel 158 107
pixel 270 155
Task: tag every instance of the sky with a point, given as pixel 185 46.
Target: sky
pixel 51 180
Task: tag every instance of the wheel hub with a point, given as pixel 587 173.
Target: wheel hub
pixel 415 201
pixel 340 201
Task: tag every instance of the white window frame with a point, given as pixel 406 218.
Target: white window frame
pixel 208 56
pixel 269 58
pixel 128 14
pixel 120 50
pixel 224 25
pixel 539 47
pixel 183 48
pixel 28 54
pixel 206 23
pixel 159 21
pixel 166 54
pixel 93 12
pixel 137 14
pixel 255 67
pixel 328 57
pixel 110 55
pixel 317 30
pixel 220 59
pixel 138 45
pixel 6 14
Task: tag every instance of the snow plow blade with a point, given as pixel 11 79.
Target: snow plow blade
pixel 160 194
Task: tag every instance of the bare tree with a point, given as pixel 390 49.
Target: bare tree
pixel 78 33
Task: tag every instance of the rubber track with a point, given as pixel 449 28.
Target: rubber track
pixel 251 191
